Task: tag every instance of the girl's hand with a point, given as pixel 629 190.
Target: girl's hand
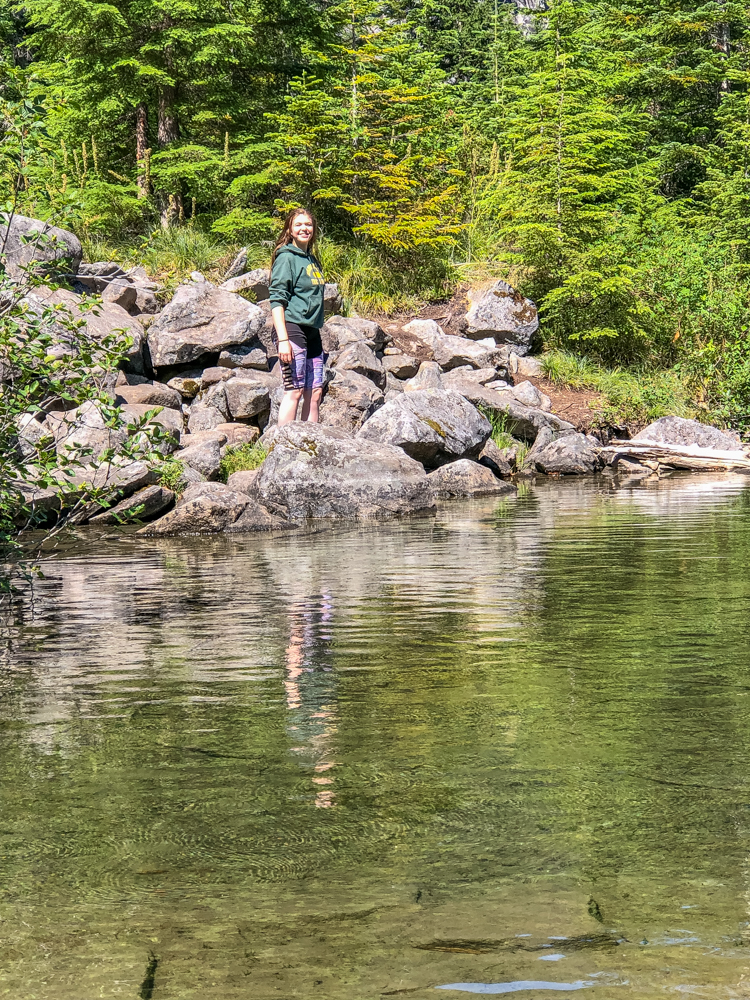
pixel 285 352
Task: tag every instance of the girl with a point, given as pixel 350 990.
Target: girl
pixel 296 294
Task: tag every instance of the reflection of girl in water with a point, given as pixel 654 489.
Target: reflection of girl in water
pixel 311 691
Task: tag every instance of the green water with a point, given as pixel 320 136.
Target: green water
pixel 379 760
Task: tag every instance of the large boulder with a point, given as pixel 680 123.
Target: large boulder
pixel 521 421
pixel 202 319
pixel 430 425
pixel 349 400
pixel 465 478
pixel 30 244
pixel 315 471
pixel 680 432
pixel 569 455
pixel 502 313
pixel 358 357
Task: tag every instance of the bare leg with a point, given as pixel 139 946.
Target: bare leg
pixel 311 405
pixel 289 404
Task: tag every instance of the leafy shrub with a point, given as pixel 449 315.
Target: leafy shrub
pixel 171 475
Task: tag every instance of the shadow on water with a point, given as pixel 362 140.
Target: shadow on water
pixel 382 759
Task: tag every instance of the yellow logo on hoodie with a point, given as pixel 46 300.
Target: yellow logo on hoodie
pixel 313 273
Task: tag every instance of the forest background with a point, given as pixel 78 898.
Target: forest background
pixel 596 154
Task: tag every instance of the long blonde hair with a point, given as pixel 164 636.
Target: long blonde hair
pixel 285 236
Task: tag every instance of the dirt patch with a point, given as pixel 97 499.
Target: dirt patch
pixel 581 407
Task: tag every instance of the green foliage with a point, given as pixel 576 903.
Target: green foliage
pixel 172 475
pixel 241 458
pixel 499 423
pixel 630 396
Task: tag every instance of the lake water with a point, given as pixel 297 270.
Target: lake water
pixel 502 750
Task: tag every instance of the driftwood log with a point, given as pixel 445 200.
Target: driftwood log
pixel 675 456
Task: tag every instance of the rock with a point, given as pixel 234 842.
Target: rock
pixel 255 281
pixel 246 356
pixel 502 313
pixel 102 320
pixel 465 478
pixel 359 358
pixel 456 352
pixel 171 420
pixel 83 433
pixel 141 506
pixel 349 400
pixel 680 432
pixel 216 396
pixel 495 459
pixel 315 471
pixel 203 508
pixel 238 265
pixel 432 426
pixel 255 517
pixel 400 365
pixel 529 395
pixel 629 467
pixel 238 434
pixel 96 276
pixel 187 386
pixel 393 384
pixel 522 421
pixel 339 331
pixel 333 301
pixel 428 377
pixel 187 440
pixel 202 319
pixel 204 418
pixel 215 373
pixel 204 457
pixel 121 293
pixel 571 454
pixel 528 367
pixel 146 302
pixel 426 330
pixel 246 398
pixel 243 481
pixel 31 432
pixel 149 394
pixel 49 250
pixel 482 376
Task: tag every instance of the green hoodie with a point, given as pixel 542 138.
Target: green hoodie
pixel 297 284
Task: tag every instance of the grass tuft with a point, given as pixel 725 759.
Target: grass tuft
pixel 171 474
pixel 241 458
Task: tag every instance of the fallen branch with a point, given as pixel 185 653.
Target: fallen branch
pixel 677 456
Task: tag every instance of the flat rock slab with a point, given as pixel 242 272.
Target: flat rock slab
pixel 202 319
pixel 315 471
pixel 465 478
pixel 431 425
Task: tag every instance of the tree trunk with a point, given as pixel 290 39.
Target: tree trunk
pixel 168 131
pixel 141 149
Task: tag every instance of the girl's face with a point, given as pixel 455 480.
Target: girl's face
pixel 302 229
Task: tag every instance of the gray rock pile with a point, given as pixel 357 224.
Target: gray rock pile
pixel 406 419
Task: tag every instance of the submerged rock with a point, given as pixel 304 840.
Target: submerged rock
pixel 207 508
pixel 465 478
pixel 147 503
